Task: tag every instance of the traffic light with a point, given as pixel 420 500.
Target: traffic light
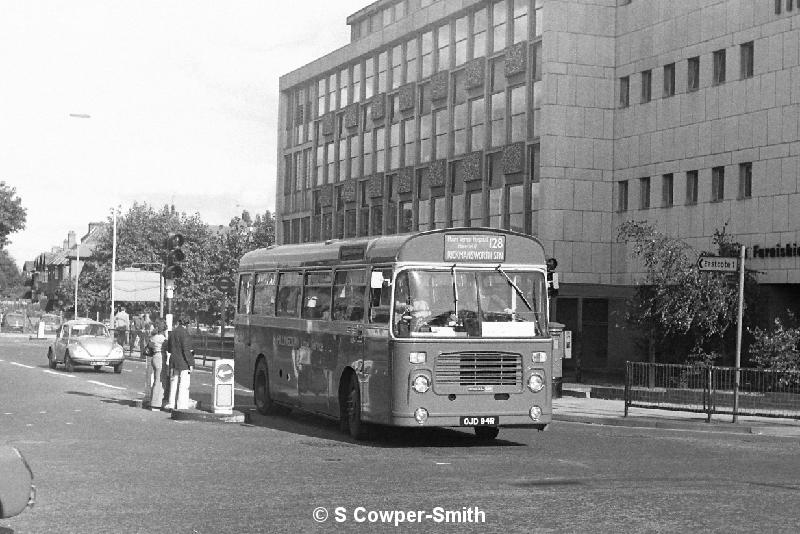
pixel 175 256
pixel 552 277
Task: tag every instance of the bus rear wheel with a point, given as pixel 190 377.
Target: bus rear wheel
pixel 263 403
pixel 351 411
pixel 487 433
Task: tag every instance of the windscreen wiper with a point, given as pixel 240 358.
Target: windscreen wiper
pixel 455 293
pixel 512 284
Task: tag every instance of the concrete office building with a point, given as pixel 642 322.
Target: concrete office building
pixel 560 118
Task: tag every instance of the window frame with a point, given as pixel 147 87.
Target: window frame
pixel 624 91
pixel 693 74
pixel 647 86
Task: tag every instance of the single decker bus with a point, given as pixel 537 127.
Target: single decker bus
pixel 444 328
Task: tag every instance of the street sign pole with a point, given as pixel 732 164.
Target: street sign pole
pixel 738 338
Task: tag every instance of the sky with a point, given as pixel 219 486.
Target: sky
pixel 105 103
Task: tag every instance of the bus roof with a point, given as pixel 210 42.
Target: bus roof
pixel 425 247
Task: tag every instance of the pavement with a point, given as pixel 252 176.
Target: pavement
pixel 586 403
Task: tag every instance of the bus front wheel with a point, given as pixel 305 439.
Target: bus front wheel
pixel 351 413
pixel 263 403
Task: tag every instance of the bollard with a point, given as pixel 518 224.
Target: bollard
pixel 223 387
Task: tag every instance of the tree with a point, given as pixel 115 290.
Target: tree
pixel 242 235
pixel 11 281
pixel 209 255
pixel 12 214
pixel 676 304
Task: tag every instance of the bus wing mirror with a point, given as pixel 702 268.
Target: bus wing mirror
pixel 377 280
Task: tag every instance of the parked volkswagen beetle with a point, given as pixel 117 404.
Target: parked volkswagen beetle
pixel 85 342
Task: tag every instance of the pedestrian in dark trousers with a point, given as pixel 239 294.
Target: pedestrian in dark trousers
pixel 181 362
pixel 138 335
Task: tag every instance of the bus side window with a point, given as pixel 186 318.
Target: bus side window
pixel 380 296
pixel 264 294
pixel 245 293
pixel 289 289
pixel 317 299
pixel 348 295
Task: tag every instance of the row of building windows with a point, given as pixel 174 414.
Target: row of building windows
pixel 384 17
pixel 498 200
pixel 448 45
pixel 468 120
pixel 692 188
pixel 719 74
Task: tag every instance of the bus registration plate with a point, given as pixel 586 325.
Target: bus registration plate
pixel 484 420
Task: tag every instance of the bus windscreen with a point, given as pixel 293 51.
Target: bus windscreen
pixel 470 303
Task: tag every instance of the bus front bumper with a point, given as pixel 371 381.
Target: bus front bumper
pixel 448 420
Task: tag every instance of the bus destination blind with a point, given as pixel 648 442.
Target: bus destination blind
pixel 474 247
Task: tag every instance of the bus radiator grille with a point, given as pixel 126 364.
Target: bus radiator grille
pixel 460 371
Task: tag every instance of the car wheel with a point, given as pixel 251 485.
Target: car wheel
pixel 352 410
pixel 117 368
pixel 487 433
pixel 98 367
pixel 68 365
pixel 51 360
pixel 263 402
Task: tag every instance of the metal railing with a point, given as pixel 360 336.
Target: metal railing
pixel 205 345
pixel 712 390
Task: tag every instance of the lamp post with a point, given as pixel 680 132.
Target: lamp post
pixel 77 273
pixel 113 259
pixel 78 246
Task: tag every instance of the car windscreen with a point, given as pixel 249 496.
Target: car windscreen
pixel 96 330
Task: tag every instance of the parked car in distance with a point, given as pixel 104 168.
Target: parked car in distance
pixel 51 322
pixel 85 342
pixel 14 322
pixel 17 491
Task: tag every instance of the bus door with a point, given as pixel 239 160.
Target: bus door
pixel 285 339
pixel 315 356
pixel 376 371
pixel 244 308
pixel 263 314
pixel 349 305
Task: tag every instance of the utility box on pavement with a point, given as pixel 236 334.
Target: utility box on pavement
pixel 562 348
pixel 222 396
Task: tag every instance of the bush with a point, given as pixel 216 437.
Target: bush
pixel 776 349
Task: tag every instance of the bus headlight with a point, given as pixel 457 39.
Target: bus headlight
pixel 417 357
pixel 539 357
pixel 421 384
pixel 535 382
pixel 535 413
pixel 421 415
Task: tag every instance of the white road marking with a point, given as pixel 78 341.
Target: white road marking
pixel 22 365
pixel 244 389
pixel 48 371
pixel 8 413
pixel 43 412
pixel 442 463
pixel 104 384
